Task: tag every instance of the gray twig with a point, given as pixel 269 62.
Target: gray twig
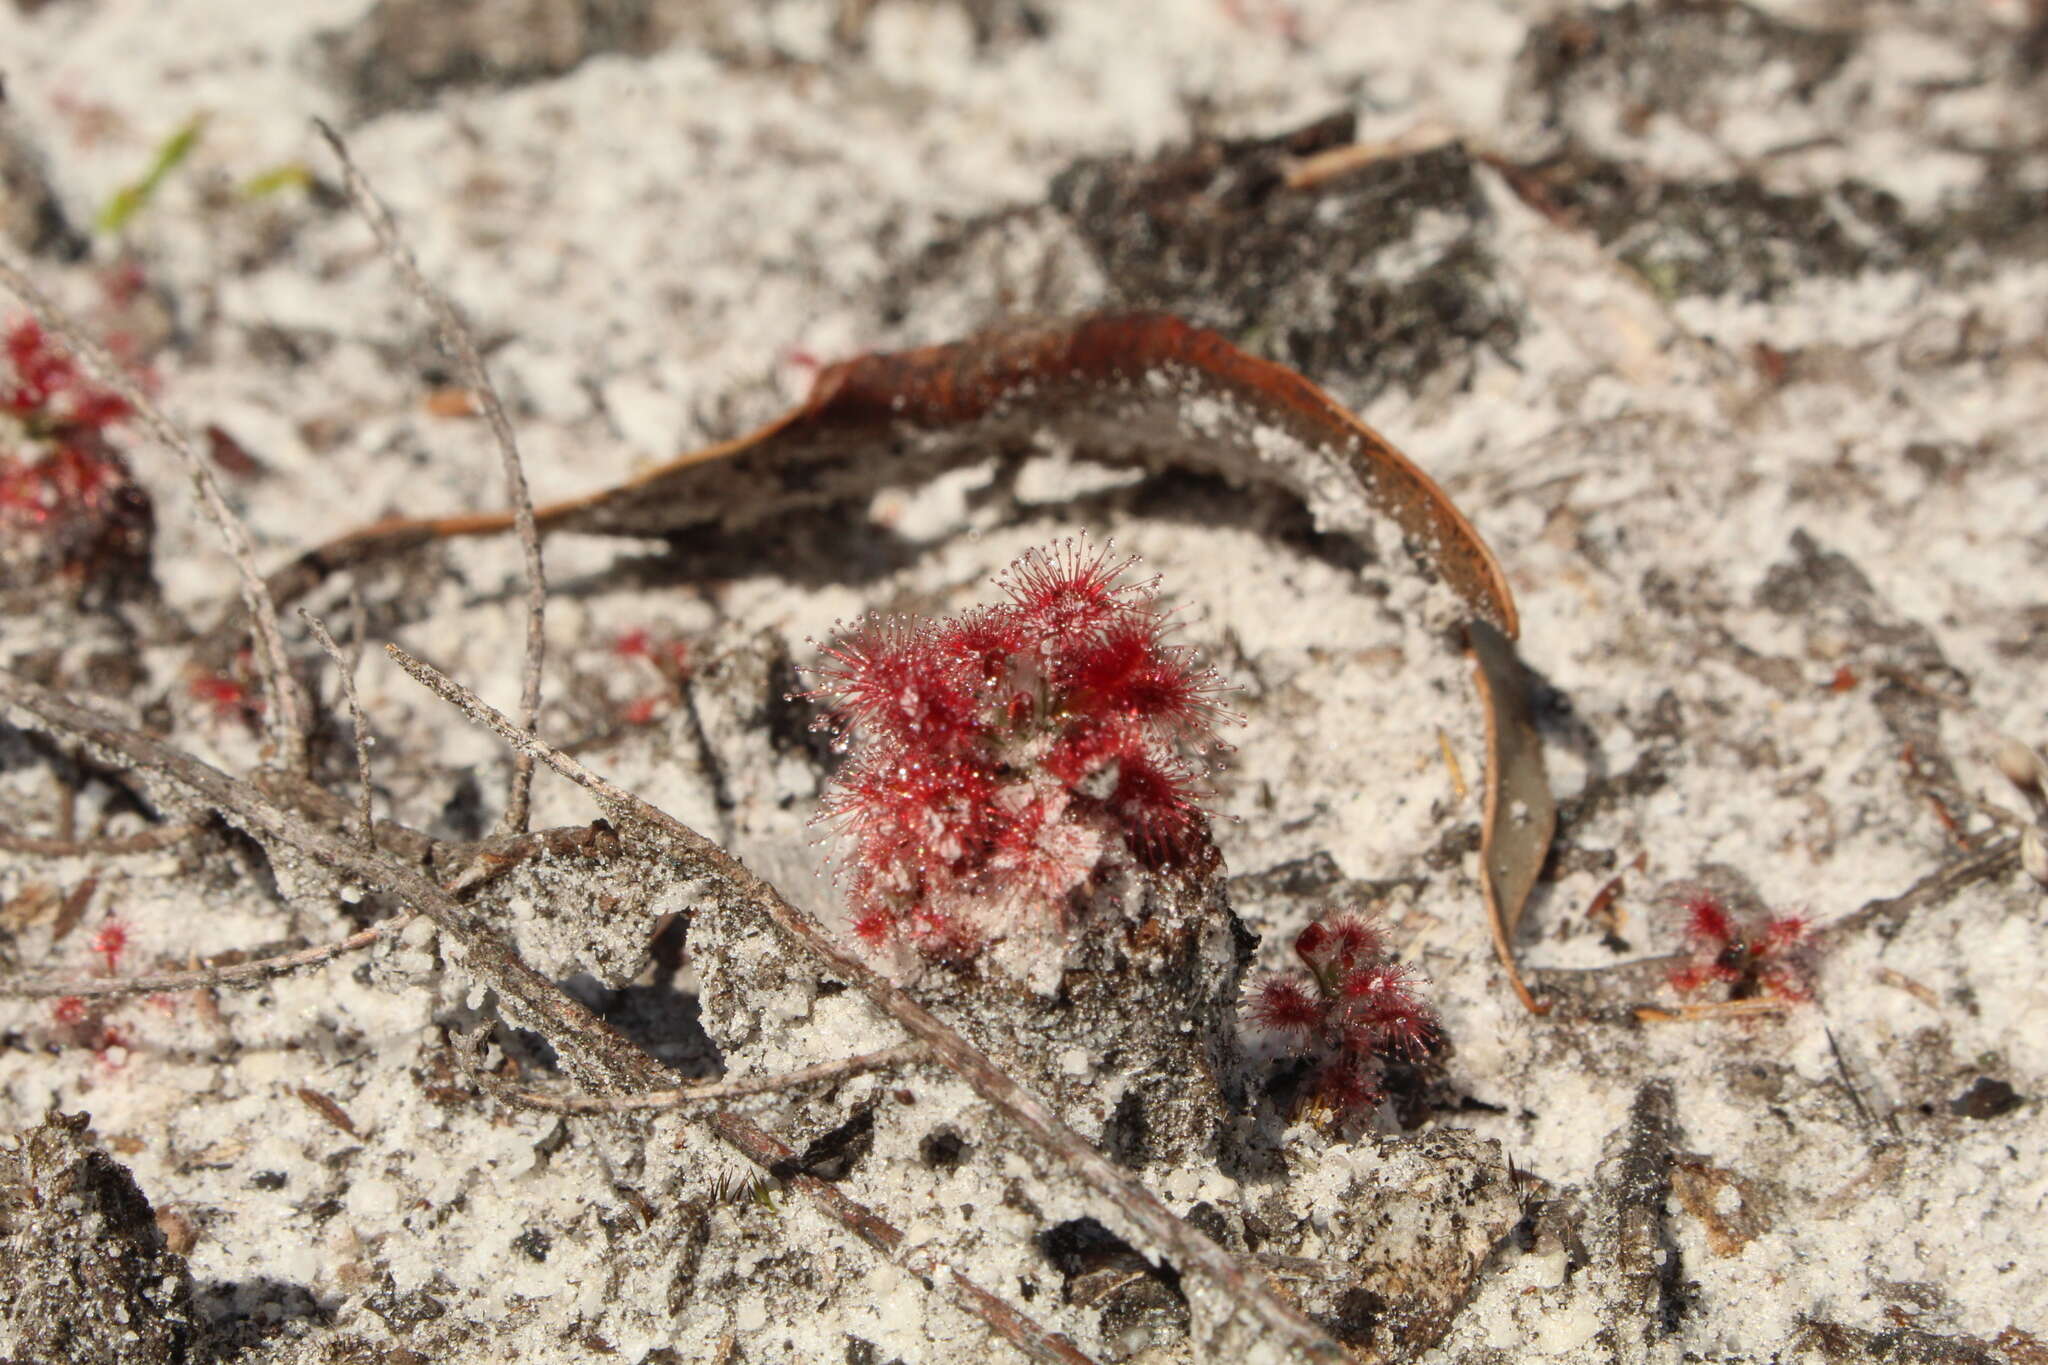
pixel 598 1055
pixel 777 1158
pixel 1144 1216
pixel 199 978
pixel 1888 914
pixel 106 846
pixel 676 1098
pixel 455 336
pixel 288 716
pixel 358 625
pixel 365 818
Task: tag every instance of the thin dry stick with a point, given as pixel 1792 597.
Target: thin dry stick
pixel 455 336
pixel 145 841
pixel 780 1162
pixel 1141 1210
pixel 358 625
pixel 676 1098
pixel 366 820
pixel 776 1158
pixel 199 978
pixel 1713 1009
pixel 1888 913
pixel 288 715
pixel 1308 172
pixel 598 1055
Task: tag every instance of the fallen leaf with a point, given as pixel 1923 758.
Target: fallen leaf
pixel 1145 389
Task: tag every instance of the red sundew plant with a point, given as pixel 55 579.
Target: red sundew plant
pixel 91 1022
pixel 227 697
pixel 1350 1009
pixel 1751 955
pixel 666 660
pixel 231 696
pixel 68 505
pixel 109 943
pixel 80 1023
pixel 47 393
pixel 1007 760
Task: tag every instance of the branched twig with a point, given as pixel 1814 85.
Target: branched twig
pixel 1144 1216
pixel 198 978
pixel 288 718
pixel 455 336
pixel 596 1053
pixel 707 1090
pixel 777 1158
pixel 1888 914
pixel 365 818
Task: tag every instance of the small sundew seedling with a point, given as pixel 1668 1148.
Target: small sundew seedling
pixel 1005 761
pixel 232 695
pixel 659 660
pixel 110 942
pixel 1748 955
pixel 1348 1011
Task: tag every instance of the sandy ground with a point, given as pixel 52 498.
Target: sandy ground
pixel 1723 325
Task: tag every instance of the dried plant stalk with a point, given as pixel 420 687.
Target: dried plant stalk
pixel 199 978
pixel 144 841
pixel 776 1157
pixel 704 1091
pixel 456 337
pixel 365 819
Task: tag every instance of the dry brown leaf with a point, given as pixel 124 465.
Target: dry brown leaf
pixel 1146 389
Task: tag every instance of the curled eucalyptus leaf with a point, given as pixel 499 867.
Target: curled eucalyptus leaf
pixel 1145 389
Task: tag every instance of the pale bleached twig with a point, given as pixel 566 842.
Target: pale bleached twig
pixel 778 1158
pixel 704 1091
pixel 455 336
pixel 1715 1009
pixel 288 716
pixel 365 818
pixel 1308 172
pixel 198 978
pixel 1144 1216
